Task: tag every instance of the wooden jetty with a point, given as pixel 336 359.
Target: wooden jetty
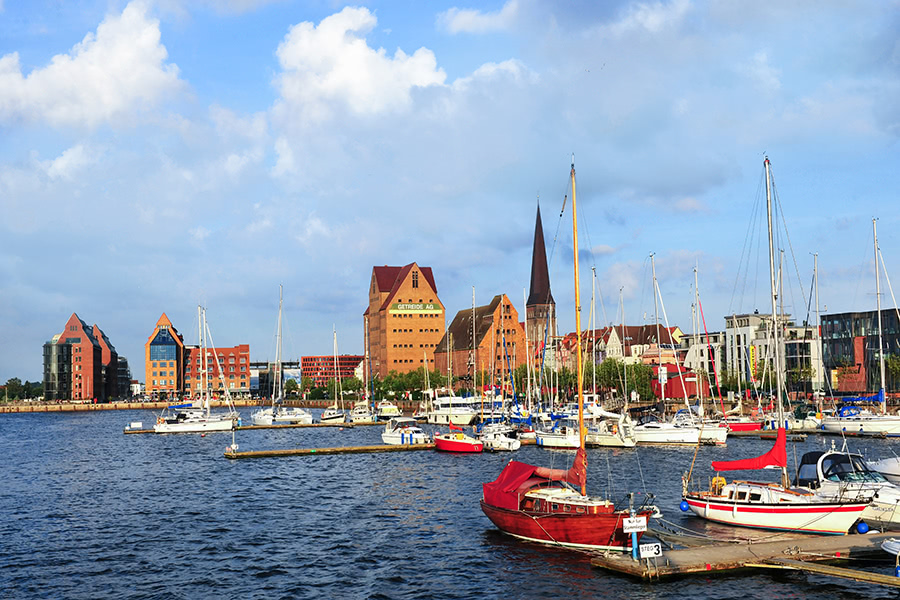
pixel 317 451
pixel 789 552
pixel 279 426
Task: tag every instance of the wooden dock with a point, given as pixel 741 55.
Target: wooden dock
pixel 280 426
pixel 317 451
pixel 789 552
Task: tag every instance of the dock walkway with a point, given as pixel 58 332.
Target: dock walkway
pixel 793 552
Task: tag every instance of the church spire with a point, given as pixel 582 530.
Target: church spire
pixel 540 277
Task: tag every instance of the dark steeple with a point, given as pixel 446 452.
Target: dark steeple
pixel 540 278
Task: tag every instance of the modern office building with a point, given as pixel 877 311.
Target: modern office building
pixel 227 368
pixel 80 364
pixel 164 361
pixel 404 321
pixel 850 350
pixel 321 369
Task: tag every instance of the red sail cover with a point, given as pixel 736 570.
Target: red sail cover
pixel 776 457
pixel 517 478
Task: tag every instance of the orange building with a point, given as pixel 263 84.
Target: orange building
pixel 404 320
pixel 164 360
pixel 498 334
pixel 233 364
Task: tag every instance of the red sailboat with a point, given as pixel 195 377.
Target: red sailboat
pixel 456 441
pixel 552 505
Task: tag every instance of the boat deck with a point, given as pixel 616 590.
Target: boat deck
pixel 789 552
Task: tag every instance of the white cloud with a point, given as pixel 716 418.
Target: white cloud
pixel 68 164
pixel 651 17
pixel 108 75
pixel 331 67
pixel 468 20
pixel 199 233
pixel 763 73
pixel 313 227
pixel 689 205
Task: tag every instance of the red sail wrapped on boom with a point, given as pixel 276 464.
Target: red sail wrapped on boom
pixel 776 457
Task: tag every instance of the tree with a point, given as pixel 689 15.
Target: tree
pixel 306 383
pixel 291 387
pixel 352 384
pixel 14 388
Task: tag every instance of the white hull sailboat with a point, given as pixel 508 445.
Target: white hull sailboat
pixel 190 418
pixel 852 419
pixel 775 506
pixel 333 414
pixel 277 414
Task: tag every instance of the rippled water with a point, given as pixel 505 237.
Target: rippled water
pixel 87 512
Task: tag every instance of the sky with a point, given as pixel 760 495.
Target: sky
pixel 157 155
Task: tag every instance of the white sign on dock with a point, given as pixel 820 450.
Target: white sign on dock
pixel 650 550
pixel 634 524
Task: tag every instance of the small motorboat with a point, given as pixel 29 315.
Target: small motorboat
pixel 400 431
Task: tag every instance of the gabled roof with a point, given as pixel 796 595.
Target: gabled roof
pixel 390 278
pixel 461 327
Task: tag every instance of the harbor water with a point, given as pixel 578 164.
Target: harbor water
pixel 87 512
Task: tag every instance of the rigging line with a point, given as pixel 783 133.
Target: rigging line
pixel 787 234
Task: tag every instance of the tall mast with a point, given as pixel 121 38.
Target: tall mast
pixel 878 305
pixel 662 387
pixel 593 336
pixel 279 389
pixel 474 372
pixel 777 362
pixel 624 364
pixel 580 366
pixel 818 318
pixel 204 377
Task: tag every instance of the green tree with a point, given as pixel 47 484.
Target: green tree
pixel 352 384
pixel 306 383
pixel 14 388
pixel 291 387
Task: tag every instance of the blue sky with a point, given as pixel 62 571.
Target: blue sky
pixel 159 154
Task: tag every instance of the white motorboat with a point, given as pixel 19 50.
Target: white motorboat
pixel 888 467
pixel 618 433
pixel 386 410
pixel 498 437
pixel 447 410
pixel 564 435
pixel 281 415
pixel 653 431
pixel 403 431
pixel 846 475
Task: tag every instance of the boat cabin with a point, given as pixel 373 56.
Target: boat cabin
pixel 818 466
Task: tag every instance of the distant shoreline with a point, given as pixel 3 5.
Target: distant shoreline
pixel 41 407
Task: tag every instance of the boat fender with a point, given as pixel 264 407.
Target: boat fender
pixel 862 527
pixel 615 429
pixel 716 485
pixel 160 421
pixel 684 506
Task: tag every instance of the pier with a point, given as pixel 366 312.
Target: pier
pixel 317 451
pixel 789 552
pixel 279 426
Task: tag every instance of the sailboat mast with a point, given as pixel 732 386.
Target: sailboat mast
pixel 662 387
pixel 818 319
pixel 279 382
pixel 580 367
pixel 624 364
pixel 878 309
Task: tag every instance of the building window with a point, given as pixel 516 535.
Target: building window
pixel 415 279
